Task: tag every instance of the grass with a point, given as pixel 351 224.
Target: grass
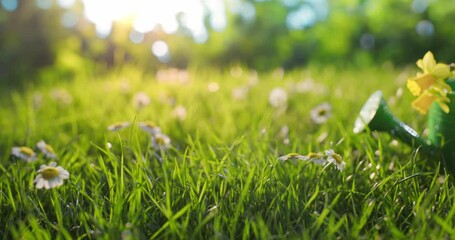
pixel 221 179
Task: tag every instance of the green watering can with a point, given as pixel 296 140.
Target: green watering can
pixel 376 116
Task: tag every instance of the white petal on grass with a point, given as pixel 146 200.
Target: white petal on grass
pixel 335 158
pixel 160 141
pixel 25 153
pixel 321 113
pixel 50 176
pixel 213 87
pixel 141 100
pixel 150 127
pixel 118 126
pixel 240 93
pixel 46 149
pixel 316 158
pixel 293 156
pixel 278 98
pixel 62 96
pixel 179 112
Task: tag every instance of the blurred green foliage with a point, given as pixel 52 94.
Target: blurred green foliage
pixel 354 32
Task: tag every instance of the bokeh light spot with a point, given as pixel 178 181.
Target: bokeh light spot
pixel 419 6
pixel 103 29
pixel 136 37
pixel 44 4
pixel 425 28
pixel 66 3
pixel 161 50
pixel 9 5
pixel 245 9
pixel 367 41
pixel 69 19
pixel 304 17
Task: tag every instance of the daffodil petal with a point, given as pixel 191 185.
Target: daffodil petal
pixel 441 70
pixel 428 62
pixel 423 102
pixel 421 83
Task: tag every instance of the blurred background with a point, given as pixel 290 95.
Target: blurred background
pixel 64 37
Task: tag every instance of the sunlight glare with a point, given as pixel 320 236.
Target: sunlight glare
pixel 66 3
pixel 145 16
pixel 161 50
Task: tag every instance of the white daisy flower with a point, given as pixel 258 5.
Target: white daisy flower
pixel 240 93
pixel 316 158
pixel 50 176
pixel 278 98
pixel 62 96
pixel 321 113
pixel 160 141
pixel 118 126
pixel 179 112
pixel 335 158
pixel 150 127
pixel 46 149
pixel 213 87
pixel 24 153
pixel 141 100
pixel 293 156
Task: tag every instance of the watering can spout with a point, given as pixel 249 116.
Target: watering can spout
pixel 376 116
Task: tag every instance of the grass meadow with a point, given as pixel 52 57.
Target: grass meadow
pixel 221 177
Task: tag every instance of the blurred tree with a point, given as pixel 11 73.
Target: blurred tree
pixel 26 42
pixel 259 34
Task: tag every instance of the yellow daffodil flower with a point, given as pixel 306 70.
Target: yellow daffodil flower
pixel 424 101
pixel 430 85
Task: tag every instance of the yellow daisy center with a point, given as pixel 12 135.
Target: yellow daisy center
pixel 337 158
pixel 292 155
pixel 314 155
pixel 27 151
pixel 49 149
pixel 322 112
pixel 118 125
pixel 160 141
pixel 150 124
pixel 49 173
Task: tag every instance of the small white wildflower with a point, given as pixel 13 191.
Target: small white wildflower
pixel 179 112
pixel 118 126
pixel 50 176
pixel 335 158
pixel 149 127
pixel 141 100
pixel 46 149
pixel 284 132
pixel 213 87
pixel 62 96
pixel 321 113
pixel 124 86
pixel 37 100
pixel 316 158
pixel 240 93
pixel 278 98
pixel 24 153
pixel 293 156
pixel 173 75
pixel 160 141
